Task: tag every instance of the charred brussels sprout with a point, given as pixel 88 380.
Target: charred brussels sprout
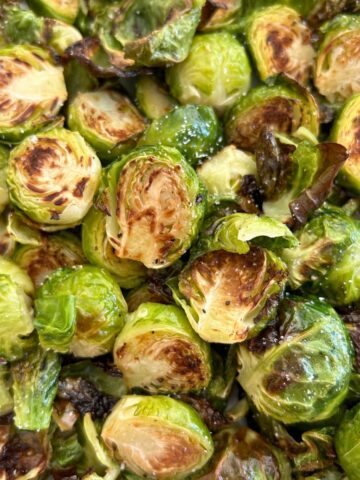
pixel 52 178
pixel 92 315
pixel 4 195
pixel 216 72
pixel 280 43
pixel 99 251
pixel 157 204
pixel 194 130
pixel 32 91
pixel 243 453
pixel 152 97
pixel 347 443
pixel 53 252
pixel 158 351
pixel 157 436
pixel 283 108
pixel 107 120
pixel 211 287
pixel 298 369
pixel 65 10
pixel 346 131
pixel 337 72
pixel 327 258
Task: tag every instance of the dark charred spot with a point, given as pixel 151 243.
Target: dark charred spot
pixel 80 187
pixel 213 419
pixel 120 352
pixel 51 196
pixel 34 188
pixel 60 201
pixel 279 44
pixel 24 115
pixel 286 370
pixel 54 215
pixel 36 158
pixel 251 197
pixel 199 199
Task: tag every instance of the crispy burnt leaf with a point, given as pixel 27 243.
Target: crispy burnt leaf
pixel 212 418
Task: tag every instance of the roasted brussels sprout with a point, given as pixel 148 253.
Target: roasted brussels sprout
pixel 337 72
pixel 157 436
pixel 52 178
pixel 346 131
pixel 86 296
pixel 65 10
pixel 283 108
pixel 107 120
pixel 152 97
pixel 53 252
pixel 32 91
pixel 15 311
pixel 216 72
pixel 6 400
pixel 211 287
pixel 99 251
pixel 4 195
pixel 193 130
pixel 243 453
pixel 34 387
pixel 156 205
pixel 327 257
pixel 298 369
pixel 158 351
pixel 280 43
pixel 347 443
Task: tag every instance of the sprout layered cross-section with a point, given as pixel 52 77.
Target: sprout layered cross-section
pixel 179 239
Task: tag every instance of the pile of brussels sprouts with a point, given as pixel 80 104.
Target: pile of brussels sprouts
pixel 180 239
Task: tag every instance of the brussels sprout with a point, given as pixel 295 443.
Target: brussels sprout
pixel 65 10
pixel 216 72
pixel 280 43
pixel 32 91
pixel 157 204
pixel 347 443
pixel 153 98
pixel 283 108
pixel 66 451
pixel 243 453
pixel 54 251
pixel 221 15
pixel 53 176
pixel 34 388
pixel 99 309
pixel 157 436
pixel 337 72
pixel 193 130
pixel 346 131
pixel 327 257
pixel 107 120
pixel 15 311
pixel 4 196
pixel 158 351
pixel 227 175
pixel 161 37
pixel 6 400
pixel 298 369
pixel 99 251
pixel 22 230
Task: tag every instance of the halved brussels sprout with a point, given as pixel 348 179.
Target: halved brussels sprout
pixel 337 71
pixel 15 311
pixel 280 43
pixel 34 387
pixel 53 177
pixel 157 436
pixel 216 72
pixel 193 130
pixel 156 34
pixel 99 251
pixel 243 453
pixel 6 400
pixel 327 258
pixel 54 251
pixel 221 15
pixel 157 204
pixel 226 175
pixel 32 91
pixel 153 98
pixel 346 131
pixel 347 443
pixel 298 369
pixel 99 309
pixel 65 10
pixel 4 195
pixel 107 120
pixel 283 108
pixel 158 351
